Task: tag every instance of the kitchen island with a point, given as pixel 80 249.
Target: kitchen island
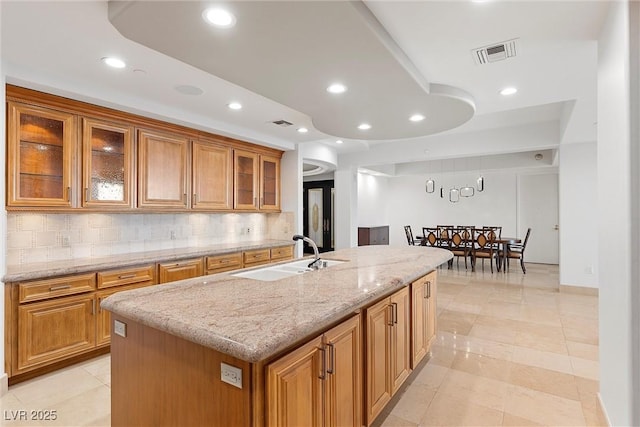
pixel 175 346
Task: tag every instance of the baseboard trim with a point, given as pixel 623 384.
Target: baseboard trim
pixel 602 412
pixel 581 290
pixel 4 384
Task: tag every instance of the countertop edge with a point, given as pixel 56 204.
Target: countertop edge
pixel 85 265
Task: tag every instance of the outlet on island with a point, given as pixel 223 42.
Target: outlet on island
pixel 231 375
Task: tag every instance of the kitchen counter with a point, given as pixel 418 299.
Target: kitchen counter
pixel 16 273
pixel 255 320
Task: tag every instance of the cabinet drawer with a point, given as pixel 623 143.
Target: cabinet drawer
pixel 259 256
pixel 284 252
pixel 219 263
pixel 185 269
pixel 127 276
pixel 60 286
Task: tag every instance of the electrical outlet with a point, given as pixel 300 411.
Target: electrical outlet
pixel 248 230
pixel 173 235
pixel 120 328
pixel 231 375
pixel 65 241
pixel 588 269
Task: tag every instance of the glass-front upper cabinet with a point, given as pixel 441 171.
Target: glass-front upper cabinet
pixel 245 180
pixel 269 183
pixel 107 164
pixel 40 148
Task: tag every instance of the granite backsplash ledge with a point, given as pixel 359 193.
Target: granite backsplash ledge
pixel 46 237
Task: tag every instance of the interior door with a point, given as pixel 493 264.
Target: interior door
pixel 318 214
pixel 538 209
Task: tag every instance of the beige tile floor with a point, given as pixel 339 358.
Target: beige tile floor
pixel 511 350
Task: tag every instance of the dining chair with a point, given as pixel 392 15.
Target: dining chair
pixel 430 237
pixel 458 246
pixel 483 247
pixel 409 234
pixel 444 235
pixel 516 251
pixel 495 232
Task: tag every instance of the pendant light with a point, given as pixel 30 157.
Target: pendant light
pixel 430 185
pixel 480 180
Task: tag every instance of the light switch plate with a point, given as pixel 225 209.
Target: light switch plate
pixel 231 375
pixel 120 328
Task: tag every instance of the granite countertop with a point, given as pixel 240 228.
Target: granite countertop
pixel 18 273
pixel 255 320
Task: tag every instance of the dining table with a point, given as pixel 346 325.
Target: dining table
pixel 503 247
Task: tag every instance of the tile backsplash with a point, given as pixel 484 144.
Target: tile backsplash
pixel 35 237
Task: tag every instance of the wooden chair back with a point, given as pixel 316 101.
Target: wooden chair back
pixel 430 237
pixel 409 234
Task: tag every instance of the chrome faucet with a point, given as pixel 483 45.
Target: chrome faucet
pixel 315 264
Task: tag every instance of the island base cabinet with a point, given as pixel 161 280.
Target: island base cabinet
pixel 320 383
pixel 423 300
pixel 387 355
pixel 158 379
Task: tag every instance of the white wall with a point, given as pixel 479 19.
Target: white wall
pixel 346 208
pixel 578 201
pixel 291 188
pixel 614 214
pixel 372 200
pixel 409 204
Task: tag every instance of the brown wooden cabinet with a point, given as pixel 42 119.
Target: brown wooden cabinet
pixel 373 235
pixel 107 156
pixel 183 269
pixel 221 263
pixel 423 302
pixel 212 176
pixel 319 383
pixel 387 358
pixel 41 147
pixel 256 181
pixel 269 183
pixel 55 329
pixel 245 180
pixel 256 257
pixel 163 170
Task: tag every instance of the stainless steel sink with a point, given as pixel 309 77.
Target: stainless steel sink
pixel 282 271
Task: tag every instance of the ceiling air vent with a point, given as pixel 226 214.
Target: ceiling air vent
pixel 495 52
pixel 282 123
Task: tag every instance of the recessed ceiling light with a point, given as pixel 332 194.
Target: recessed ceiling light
pixel 364 126
pixel 303 130
pixel 416 118
pixel 219 17
pixel 339 141
pixel 508 91
pixel 234 105
pixel 114 62
pixel 108 148
pixel 337 88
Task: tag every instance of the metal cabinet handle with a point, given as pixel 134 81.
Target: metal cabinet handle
pixel 68 194
pixel 323 370
pixel 127 276
pixel 195 198
pixel 332 357
pixel 255 201
pixel 395 313
pixel 425 290
pixel 428 289
pixel 184 198
pixel 99 308
pixel 93 307
pixel 59 288
pixel 86 194
pixel 391 315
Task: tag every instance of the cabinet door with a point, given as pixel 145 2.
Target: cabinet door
pixel 400 353
pixel 53 330
pixel 186 269
pixel 212 177
pixel 432 314
pixel 162 170
pixel 245 180
pixel 378 382
pixel 343 394
pixel 269 183
pixel 419 320
pixel 295 387
pixel 107 164
pixel 41 146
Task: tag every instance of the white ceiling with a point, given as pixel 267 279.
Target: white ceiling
pixel 554 71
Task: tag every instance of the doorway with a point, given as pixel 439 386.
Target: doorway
pixel 318 214
pixel 538 209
